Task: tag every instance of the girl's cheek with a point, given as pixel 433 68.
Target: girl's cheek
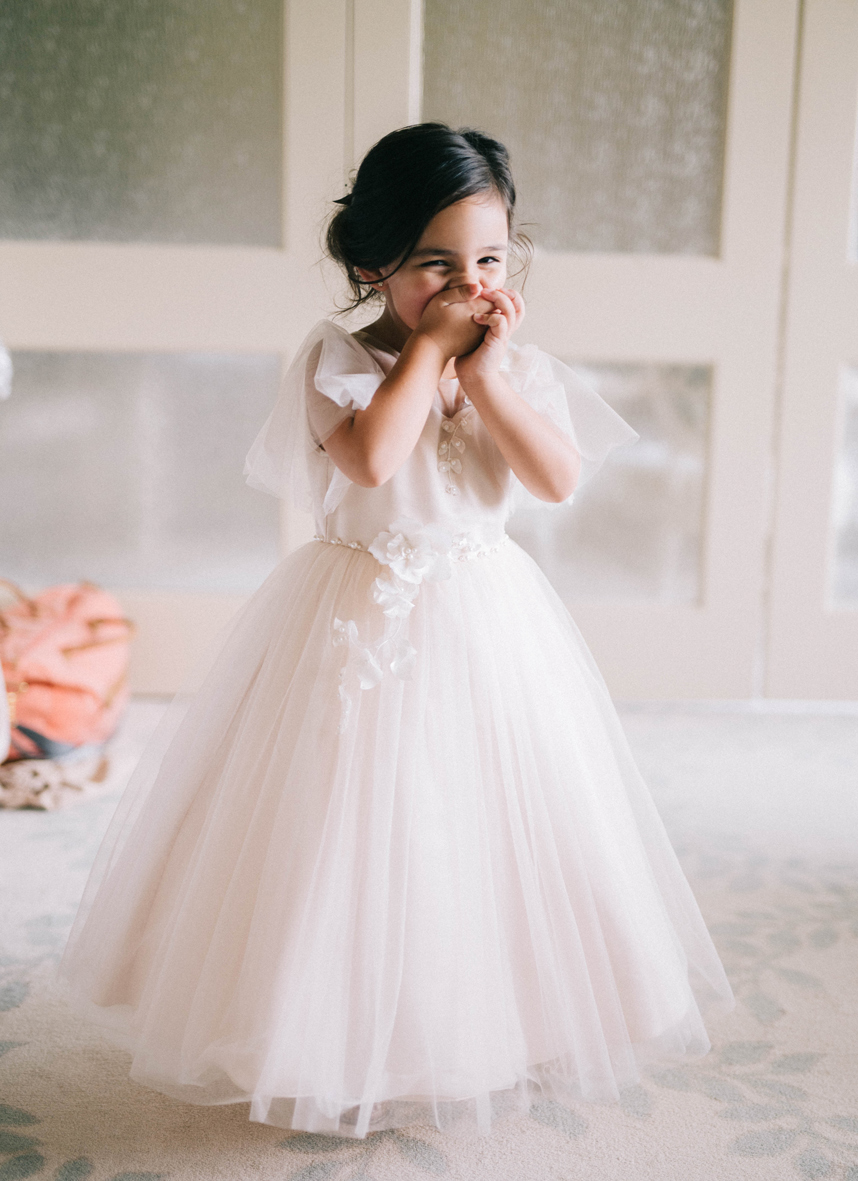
pixel 426 295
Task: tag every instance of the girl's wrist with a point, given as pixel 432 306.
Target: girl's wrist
pixel 483 385
pixel 423 346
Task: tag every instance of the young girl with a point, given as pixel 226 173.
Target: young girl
pixel 393 862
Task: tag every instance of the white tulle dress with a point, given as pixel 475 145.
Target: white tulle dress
pixel 392 861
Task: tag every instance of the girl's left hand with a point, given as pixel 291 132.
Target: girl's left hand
pixel 500 325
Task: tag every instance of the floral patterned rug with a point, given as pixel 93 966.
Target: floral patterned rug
pixel 762 809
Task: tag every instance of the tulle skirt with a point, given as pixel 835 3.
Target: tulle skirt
pixel 463 896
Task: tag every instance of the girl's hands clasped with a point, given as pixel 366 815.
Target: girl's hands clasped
pixel 499 321
pixel 472 326
pixel 450 319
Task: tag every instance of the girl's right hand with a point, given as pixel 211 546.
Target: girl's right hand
pixel 448 319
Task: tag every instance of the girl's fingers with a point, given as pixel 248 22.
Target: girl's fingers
pixel 505 306
pixel 517 301
pixel 503 317
pixel 496 323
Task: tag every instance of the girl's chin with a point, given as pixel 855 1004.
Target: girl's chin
pixel 408 322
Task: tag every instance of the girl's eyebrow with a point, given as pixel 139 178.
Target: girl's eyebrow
pixel 436 250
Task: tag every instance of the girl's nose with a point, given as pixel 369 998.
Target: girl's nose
pixel 466 275
pixel 473 283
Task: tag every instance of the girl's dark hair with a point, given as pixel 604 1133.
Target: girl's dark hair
pixel 409 176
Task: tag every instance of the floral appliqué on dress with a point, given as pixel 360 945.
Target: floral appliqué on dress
pixel 411 552
pixel 449 449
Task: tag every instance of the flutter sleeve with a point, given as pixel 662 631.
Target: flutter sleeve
pixel 566 400
pixel 331 376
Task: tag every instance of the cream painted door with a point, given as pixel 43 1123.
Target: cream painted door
pixel 660 309
pixel 813 636
pixel 112 297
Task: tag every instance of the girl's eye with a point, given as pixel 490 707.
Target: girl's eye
pixel 489 260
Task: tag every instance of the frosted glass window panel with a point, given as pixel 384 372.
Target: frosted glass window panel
pixel 146 121
pixel 844 570
pixel 614 113
pixel 126 469
pixel 635 532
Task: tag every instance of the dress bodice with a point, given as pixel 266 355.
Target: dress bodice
pixel 455 479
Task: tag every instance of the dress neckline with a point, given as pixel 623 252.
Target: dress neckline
pixel 466 405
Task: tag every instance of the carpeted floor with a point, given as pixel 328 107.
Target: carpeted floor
pixel 763 808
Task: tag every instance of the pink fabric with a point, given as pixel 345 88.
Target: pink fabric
pixel 65 660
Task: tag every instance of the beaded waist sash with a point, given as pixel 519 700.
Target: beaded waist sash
pixel 462 548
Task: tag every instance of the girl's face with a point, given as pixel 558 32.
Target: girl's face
pixel 464 243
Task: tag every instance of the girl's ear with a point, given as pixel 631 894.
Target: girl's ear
pixel 373 277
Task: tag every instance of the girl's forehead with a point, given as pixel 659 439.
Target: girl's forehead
pixel 469 220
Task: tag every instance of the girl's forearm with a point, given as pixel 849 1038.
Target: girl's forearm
pixel 373 445
pixel 542 457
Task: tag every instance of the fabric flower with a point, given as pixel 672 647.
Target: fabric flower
pixel 361 659
pixel 403 656
pixel 395 597
pixel 368 669
pixel 413 551
pixel 341 632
